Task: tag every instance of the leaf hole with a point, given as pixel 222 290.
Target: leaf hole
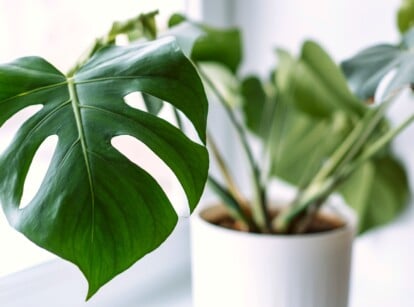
pixel 135 100
pixel 38 170
pixel 9 129
pixel 141 155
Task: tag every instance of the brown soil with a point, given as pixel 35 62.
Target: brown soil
pixel 320 223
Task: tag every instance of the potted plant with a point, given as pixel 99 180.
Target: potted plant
pixel 318 135
pixel 100 211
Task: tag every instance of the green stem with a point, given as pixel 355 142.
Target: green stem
pixel 234 208
pixel 144 22
pixel 327 179
pixel 321 192
pixel 313 193
pixel 231 198
pixel 259 204
pixel 353 143
pixel 231 185
pixel 377 146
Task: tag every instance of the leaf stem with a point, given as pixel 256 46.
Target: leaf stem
pixel 377 146
pixel 233 206
pixel 337 168
pixel 226 172
pixel 259 204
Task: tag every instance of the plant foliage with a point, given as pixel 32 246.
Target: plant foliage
pixel 96 208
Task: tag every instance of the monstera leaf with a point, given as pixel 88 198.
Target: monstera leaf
pixel 318 113
pixel 367 68
pixel 95 207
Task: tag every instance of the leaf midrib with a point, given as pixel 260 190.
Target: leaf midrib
pixel 78 118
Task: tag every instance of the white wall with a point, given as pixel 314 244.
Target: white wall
pixel 342 27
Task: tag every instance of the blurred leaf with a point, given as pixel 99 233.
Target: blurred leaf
pixel 186 34
pixel 176 19
pixel 142 26
pixel 319 112
pixel 367 68
pixel 405 16
pixel 225 82
pixel 254 101
pixel 319 87
pixel 307 143
pixel 223 46
pixel 378 191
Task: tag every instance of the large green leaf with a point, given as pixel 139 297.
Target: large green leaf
pixel 378 191
pixel 367 68
pixel 95 207
pixel 319 85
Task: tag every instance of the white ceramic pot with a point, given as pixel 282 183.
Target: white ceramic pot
pixel 236 269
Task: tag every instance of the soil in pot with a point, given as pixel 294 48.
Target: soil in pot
pixel 320 222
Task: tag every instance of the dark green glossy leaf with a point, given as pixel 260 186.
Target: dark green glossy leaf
pixel 367 68
pixel 95 207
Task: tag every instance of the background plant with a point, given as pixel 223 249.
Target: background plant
pixel 315 133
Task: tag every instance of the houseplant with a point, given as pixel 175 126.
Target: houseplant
pixel 321 138
pixel 47 220
pixel 315 110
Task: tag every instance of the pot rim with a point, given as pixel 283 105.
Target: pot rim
pixel 335 203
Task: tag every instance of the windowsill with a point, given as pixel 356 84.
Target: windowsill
pixel 17 252
pixel 162 278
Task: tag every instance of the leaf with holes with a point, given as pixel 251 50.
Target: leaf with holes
pixel 95 207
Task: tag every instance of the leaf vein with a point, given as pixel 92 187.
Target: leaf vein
pixel 78 118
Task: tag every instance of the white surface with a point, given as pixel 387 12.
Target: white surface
pixel 383 268
pixel 381 277
pixel 161 279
